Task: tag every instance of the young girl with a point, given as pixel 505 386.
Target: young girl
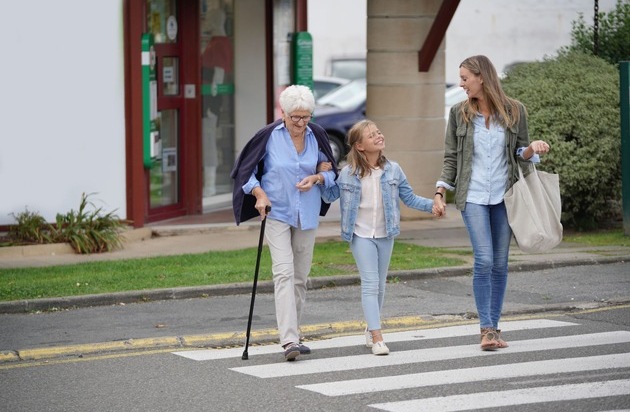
pixel 369 188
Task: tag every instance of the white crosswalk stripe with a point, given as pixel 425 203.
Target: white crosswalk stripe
pixel 319 370
pixel 429 355
pixel 416 335
pixel 449 377
pixel 511 397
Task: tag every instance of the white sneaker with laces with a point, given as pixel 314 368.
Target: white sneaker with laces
pixel 380 348
pixel 368 338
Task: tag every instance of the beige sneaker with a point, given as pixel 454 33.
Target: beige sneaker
pixel 368 338
pixel 380 348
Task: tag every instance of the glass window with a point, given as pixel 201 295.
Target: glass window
pixel 170 76
pixel 162 20
pixel 164 173
pixel 217 93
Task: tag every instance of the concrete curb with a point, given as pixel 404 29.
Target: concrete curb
pixel 28 305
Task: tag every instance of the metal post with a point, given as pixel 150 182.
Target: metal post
pixel 624 94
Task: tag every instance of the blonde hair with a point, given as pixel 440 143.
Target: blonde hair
pixel 356 158
pixel 504 109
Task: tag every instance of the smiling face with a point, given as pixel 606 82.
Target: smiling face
pixel 297 128
pixel 372 140
pixel 471 83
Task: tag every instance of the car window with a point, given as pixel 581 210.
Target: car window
pixel 347 96
pixel 320 88
pixel 348 68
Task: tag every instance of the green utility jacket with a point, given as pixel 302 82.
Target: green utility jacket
pixel 458 152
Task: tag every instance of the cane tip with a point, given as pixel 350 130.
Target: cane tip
pixel 245 356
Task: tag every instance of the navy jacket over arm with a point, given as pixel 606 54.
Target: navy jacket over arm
pixel 252 156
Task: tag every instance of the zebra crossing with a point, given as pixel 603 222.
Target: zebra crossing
pixel 616 365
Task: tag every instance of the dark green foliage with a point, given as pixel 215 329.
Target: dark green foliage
pixel 573 103
pixel 613 33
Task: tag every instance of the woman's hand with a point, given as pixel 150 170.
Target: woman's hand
pixel 439 205
pixel 262 202
pixel 536 147
pixel 308 182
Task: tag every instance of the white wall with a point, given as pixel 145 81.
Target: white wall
pixel 250 70
pixel 62 121
pixel 505 31
pixel 511 31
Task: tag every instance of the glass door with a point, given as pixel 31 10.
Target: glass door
pixel 164 174
pixel 217 94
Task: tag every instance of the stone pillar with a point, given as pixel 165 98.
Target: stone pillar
pixel 407 105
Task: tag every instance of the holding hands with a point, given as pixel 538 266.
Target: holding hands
pixel 439 205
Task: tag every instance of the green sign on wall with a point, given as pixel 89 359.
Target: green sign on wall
pixel 302 59
pixel 150 133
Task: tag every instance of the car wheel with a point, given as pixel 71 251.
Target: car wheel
pixel 337 147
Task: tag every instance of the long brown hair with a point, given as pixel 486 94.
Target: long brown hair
pixel 356 159
pixel 504 109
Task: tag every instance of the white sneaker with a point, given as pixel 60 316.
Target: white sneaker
pixel 368 338
pixel 380 348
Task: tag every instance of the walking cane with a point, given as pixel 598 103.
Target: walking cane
pixel 251 305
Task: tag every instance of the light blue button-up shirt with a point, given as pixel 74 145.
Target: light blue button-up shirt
pixel 284 169
pixel 488 180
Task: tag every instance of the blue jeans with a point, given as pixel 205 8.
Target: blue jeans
pixel 372 257
pixel 490 235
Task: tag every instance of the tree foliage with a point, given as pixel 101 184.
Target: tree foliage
pixel 613 34
pixel 573 103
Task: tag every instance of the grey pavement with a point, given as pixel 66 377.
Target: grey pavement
pixel 215 316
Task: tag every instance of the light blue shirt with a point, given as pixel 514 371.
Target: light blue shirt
pixel 284 169
pixel 488 180
pixel 489 176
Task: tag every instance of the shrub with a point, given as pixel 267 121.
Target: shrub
pixel 30 228
pixel 573 103
pixel 86 231
pixel 613 34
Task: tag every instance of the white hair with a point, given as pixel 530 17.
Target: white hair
pixel 297 97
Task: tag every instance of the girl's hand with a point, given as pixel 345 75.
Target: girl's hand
pixel 324 167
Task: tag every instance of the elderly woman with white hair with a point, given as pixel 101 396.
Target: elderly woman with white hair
pixel 278 168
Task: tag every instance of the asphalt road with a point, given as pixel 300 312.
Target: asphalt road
pixel 576 361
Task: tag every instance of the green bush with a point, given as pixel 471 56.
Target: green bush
pixel 30 228
pixel 86 231
pixel 573 103
pixel 613 34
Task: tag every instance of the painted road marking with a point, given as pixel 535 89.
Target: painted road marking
pixel 346 341
pixel 453 376
pixel 309 366
pixel 515 397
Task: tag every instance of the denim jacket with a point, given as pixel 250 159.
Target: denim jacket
pixel 394 185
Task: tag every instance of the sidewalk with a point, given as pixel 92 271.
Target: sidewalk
pixel 115 324
pixel 217 232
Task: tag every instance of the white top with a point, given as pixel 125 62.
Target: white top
pixel 371 216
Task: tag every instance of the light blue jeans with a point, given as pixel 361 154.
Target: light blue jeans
pixel 490 236
pixel 372 257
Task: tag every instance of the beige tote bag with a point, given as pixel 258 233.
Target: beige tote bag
pixel 533 207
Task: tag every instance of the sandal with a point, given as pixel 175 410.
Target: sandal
pixel 489 339
pixel 502 343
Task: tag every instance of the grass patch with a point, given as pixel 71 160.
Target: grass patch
pixel 613 237
pixel 210 268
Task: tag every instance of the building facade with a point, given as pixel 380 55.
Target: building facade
pixel 144 104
